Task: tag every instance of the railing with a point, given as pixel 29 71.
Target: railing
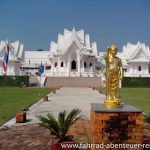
pixel 70 74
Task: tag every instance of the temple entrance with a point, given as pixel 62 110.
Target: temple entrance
pixel 73 65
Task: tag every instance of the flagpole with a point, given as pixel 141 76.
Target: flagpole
pixel 4 85
pixel 4 82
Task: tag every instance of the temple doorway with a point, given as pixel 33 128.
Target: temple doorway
pixel 73 65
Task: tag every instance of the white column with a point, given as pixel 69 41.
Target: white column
pixel 147 69
pixel 131 69
pixel 12 68
pixel 58 66
pixel 52 68
pixel 78 61
pixel 82 65
pixel 68 67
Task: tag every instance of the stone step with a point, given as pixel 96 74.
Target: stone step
pixel 73 82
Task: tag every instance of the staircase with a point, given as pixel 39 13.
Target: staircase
pixel 73 82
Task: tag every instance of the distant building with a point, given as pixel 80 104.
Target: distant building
pixel 135 59
pixel 73 55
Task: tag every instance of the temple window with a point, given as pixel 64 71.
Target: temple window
pixel 84 64
pixel 55 64
pixel 62 64
pixel 90 65
pixel 139 68
pixel 124 70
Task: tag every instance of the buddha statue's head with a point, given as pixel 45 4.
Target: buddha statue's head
pixel 113 49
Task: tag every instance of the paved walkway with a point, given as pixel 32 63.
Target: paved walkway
pixel 65 99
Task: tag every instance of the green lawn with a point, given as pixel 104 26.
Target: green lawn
pixel 15 99
pixel 139 97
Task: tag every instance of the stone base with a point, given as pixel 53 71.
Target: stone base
pixel 122 125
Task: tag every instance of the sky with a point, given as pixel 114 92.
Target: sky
pixel 37 22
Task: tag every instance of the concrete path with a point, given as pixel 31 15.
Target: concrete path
pixel 65 99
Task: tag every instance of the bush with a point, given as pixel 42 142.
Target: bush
pixel 136 82
pixel 16 81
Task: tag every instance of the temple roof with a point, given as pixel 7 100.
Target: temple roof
pixel 73 37
pixel 132 51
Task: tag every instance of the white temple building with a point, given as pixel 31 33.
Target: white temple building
pixel 73 55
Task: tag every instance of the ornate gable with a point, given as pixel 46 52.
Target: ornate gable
pixel 136 51
pixel 71 38
pixel 139 54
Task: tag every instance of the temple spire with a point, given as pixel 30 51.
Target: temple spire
pixel 73 29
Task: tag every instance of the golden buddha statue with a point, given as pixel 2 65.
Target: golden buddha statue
pixel 113 76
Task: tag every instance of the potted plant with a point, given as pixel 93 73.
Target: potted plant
pixel 59 127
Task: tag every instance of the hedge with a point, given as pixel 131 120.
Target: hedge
pixel 136 82
pixel 16 81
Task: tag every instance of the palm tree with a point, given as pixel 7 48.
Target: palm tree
pixel 60 127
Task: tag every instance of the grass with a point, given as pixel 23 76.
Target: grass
pixel 139 97
pixel 14 100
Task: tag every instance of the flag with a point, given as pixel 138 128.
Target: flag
pixel 6 57
pixel 41 68
pixel 101 60
pixel 9 47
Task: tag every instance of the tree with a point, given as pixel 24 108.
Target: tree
pixel 39 49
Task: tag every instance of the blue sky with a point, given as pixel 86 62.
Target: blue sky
pixel 37 22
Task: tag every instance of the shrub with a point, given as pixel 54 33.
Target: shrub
pixel 16 81
pixel 136 82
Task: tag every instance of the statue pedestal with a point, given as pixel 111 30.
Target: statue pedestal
pixel 116 125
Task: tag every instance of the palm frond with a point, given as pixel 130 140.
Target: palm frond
pixel 50 123
pixel 70 119
pixel 44 121
pixel 61 119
